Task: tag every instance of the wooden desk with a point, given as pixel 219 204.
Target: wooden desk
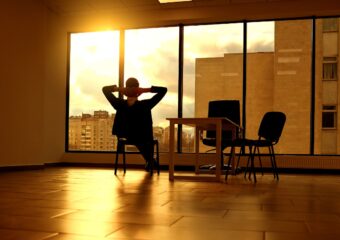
pixel 200 124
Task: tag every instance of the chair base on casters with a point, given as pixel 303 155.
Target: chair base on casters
pixel 122 142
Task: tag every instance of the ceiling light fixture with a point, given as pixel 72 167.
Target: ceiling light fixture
pixel 173 1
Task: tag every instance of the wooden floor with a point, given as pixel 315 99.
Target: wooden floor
pixel 88 203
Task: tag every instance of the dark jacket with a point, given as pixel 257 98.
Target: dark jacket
pixel 134 122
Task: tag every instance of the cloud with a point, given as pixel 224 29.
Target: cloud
pixel 261 46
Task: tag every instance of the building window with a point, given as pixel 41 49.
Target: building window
pixel 330 68
pixel 94 63
pixel 329 117
pixel 330 25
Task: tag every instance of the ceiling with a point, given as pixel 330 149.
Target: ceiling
pixel 125 13
pixel 88 6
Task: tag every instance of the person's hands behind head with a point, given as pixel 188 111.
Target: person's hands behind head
pixel 134 91
pixel 131 91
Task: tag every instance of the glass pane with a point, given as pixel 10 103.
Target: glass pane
pixel 278 79
pixel 151 56
pixel 213 70
pixel 330 71
pixel 328 120
pixel 260 74
pixel 326 92
pixel 94 62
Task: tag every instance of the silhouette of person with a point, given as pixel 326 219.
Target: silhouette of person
pixel 133 120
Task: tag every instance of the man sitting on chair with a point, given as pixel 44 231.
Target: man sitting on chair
pixel 133 120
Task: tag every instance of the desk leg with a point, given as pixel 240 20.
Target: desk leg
pixel 232 154
pixel 232 157
pixel 218 150
pixel 171 151
pixel 197 150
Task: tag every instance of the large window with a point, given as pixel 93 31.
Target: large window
pixel 277 73
pixel 151 55
pixel 260 74
pixel 279 79
pixel 212 70
pixel 327 100
pixel 94 61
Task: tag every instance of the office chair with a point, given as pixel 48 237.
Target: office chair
pixel 269 133
pixel 222 108
pixel 122 142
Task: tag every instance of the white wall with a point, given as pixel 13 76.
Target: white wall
pixel 54 108
pixel 21 82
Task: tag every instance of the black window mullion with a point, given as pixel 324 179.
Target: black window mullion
pixel 180 86
pixel 68 91
pixel 312 111
pixel 121 59
pixel 244 91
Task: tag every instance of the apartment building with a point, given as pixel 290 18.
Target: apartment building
pixel 92 132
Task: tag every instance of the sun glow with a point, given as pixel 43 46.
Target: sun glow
pixel 94 61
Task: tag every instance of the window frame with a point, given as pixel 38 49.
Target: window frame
pixel 180 80
pixel 331 60
pixel 334 111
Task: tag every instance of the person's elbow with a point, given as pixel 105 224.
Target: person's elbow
pixel 162 90
pixel 107 89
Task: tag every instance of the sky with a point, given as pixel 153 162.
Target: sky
pixel 151 55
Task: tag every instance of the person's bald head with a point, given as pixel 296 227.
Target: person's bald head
pixel 131 82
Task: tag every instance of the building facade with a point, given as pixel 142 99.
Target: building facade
pixel 92 132
pixel 277 80
pixel 281 80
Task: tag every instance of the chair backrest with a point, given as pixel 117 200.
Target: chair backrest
pixel 224 108
pixel 271 126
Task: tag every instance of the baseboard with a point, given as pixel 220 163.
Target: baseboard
pixel 21 168
pixel 162 167
pixel 191 168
